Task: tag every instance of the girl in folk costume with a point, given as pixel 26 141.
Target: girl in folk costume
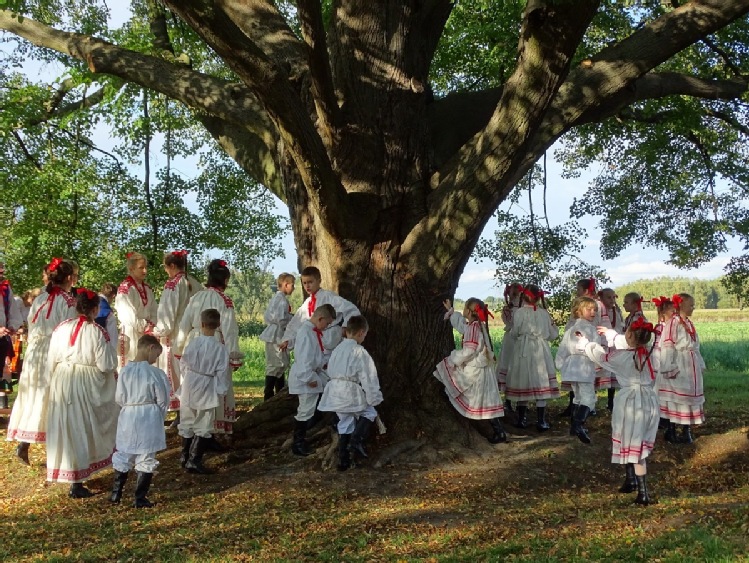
pixel 633 306
pixel 135 306
pixel 468 374
pixel 228 334
pixel 666 310
pixel 634 421
pixel 531 375
pixel 681 393
pixel 512 303
pixel 574 365
pixel 28 420
pixel 611 317
pixel 174 299
pixel 82 417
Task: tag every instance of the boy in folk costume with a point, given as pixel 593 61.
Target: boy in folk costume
pixel 136 307
pixel 277 317
pixel 106 318
pixel 353 391
pixel 206 378
pixel 681 393
pixel 611 317
pixel 512 303
pixel 143 395
pixel 178 290
pixel 468 373
pixel 307 377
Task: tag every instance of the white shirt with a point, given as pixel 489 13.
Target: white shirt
pixel 205 373
pixel 143 394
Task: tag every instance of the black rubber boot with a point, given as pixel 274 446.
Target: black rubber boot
pixel 361 432
pixel 312 422
pixel 77 490
pixel 630 481
pixel 610 404
pixel 299 446
pixel 270 386
pixel 570 407
pixel 195 463
pixel 499 432
pixel 670 435
pixel 508 406
pixel 573 427
pixel 22 452
pixel 541 424
pixel 212 444
pixel 120 478
pixel 662 423
pixel 580 415
pixel 643 497
pixel 279 384
pixel 344 456
pixel 686 435
pixel 186 443
pixel 521 420
pixel 141 490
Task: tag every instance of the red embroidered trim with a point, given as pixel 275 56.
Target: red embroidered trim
pixel 172 283
pixel 227 300
pixel 77 329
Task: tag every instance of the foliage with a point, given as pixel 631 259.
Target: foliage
pixel 708 294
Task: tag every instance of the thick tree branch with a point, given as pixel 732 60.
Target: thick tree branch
pixel 25 150
pixel 157 25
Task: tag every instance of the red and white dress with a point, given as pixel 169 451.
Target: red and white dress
pixel 228 335
pixel 468 373
pixel 136 310
pixel 82 416
pixel 28 419
pixel 174 299
pixel 680 391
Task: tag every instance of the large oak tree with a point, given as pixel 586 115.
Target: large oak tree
pixel 332 107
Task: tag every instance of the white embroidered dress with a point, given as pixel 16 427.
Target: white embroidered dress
pixel 136 310
pixel 508 343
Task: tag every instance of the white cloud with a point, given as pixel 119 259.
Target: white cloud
pixel 634 267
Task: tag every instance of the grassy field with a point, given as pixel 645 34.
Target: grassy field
pixel 538 498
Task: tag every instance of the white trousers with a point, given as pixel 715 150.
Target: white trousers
pixel 347 420
pixel 307 406
pixel 196 422
pixel 585 394
pixel 124 462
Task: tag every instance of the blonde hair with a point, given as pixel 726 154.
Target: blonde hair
pixel 133 258
pixel 581 304
pixel 284 278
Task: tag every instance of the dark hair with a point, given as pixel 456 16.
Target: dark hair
pixel 178 259
pixel 325 311
pixel 210 318
pixel 148 340
pixel 109 290
pixel 86 302
pixel 218 274
pixel 641 338
pixel 356 324
pixel 64 269
pixel 481 310
pixel 588 284
pixel 312 271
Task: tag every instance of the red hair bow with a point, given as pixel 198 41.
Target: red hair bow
pixel 483 313
pixel 592 285
pixel 87 292
pixel 639 303
pixel 54 264
pixel 677 300
pixel 222 263
pixel 181 253
pixel 641 323
pixel 129 255
pixel 659 301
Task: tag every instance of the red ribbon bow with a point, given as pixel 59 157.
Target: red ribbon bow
pixel 87 292
pixel 54 264
pixel 641 323
pixel 639 303
pixel 677 300
pixel 129 255
pixel 180 253
pixel 483 313
pixel 222 263
pixel 592 285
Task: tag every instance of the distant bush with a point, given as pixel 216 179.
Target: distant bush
pixel 250 327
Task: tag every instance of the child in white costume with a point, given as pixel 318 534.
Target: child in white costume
pixel 136 307
pixel 353 391
pixel 575 366
pixel 512 304
pixel 634 420
pixel 143 395
pixel 681 392
pixel 311 280
pixel 206 378
pixel 532 375
pixel 468 373
pixel 633 306
pixel 307 377
pixel 213 297
pixel 82 414
pixel 666 310
pixel 178 290
pixel 611 317
pixel 28 419
pixel 277 317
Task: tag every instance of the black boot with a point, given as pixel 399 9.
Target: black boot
pixel 570 407
pixel 279 384
pixel 270 384
pixel 77 490
pixel 344 456
pixel 521 420
pixel 195 463
pixel 686 435
pixel 541 424
pixel 580 415
pixel 299 446
pixel 573 427
pixel 361 432
pixel 610 405
pixel 643 497
pixel 670 435
pixel 312 422
pixel 662 423
pixel 499 432
pixel 212 444
pixel 119 483
pixel 630 481
pixel 22 452
pixel 508 406
pixel 186 443
pixel 141 490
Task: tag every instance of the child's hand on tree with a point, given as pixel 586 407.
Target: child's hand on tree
pixel 447 304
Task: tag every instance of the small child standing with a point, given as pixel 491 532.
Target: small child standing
pixel 307 377
pixel 512 303
pixel 206 377
pixel 576 368
pixel 611 317
pixel 277 317
pixel 353 391
pixel 143 396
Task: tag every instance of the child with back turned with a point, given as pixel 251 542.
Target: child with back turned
pixel 143 395
pixel 353 391
pixel 277 317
